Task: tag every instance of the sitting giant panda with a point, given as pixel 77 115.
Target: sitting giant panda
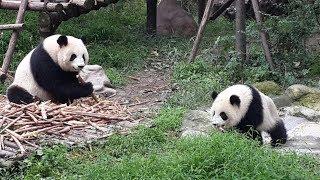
pixel 49 72
pixel 249 111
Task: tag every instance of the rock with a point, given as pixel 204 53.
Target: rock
pixel 311 101
pixel 296 91
pixel 268 87
pixel 302 111
pixel 196 122
pixel 96 75
pixel 303 135
pixel 173 19
pixel 282 101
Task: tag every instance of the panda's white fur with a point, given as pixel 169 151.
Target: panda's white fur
pixel 237 101
pixel 62 55
pixel 24 79
pixel 48 54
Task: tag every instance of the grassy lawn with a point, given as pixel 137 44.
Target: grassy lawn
pixel 117 41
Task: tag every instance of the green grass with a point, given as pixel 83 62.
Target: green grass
pixel 157 153
pixel 117 41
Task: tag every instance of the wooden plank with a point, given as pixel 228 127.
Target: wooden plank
pixel 11 26
pixel 221 9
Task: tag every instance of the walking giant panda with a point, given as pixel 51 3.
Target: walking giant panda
pixel 49 72
pixel 249 111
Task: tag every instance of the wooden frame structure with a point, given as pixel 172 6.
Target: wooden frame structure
pixel 240 29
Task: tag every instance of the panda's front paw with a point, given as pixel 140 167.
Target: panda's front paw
pixel 88 87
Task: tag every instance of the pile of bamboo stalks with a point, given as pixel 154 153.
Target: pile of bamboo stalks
pixel 22 125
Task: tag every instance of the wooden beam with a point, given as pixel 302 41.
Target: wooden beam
pixel 32 6
pixel 200 31
pixel 13 41
pixel 11 26
pixel 241 29
pixel 221 9
pixel 151 16
pixel 263 34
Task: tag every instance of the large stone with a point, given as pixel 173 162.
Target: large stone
pixel 268 87
pixel 301 111
pixel 173 19
pixel 96 75
pixel 296 91
pixel 282 101
pixel 311 100
pixel 196 122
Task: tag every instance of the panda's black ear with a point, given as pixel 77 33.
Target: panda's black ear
pixel 62 41
pixel 235 100
pixel 214 95
pixel 83 39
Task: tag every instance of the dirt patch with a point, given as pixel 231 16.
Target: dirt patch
pixel 145 92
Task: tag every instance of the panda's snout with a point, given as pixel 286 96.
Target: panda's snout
pixel 81 66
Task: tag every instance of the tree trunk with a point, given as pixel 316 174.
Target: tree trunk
pixel 151 16
pixel 241 29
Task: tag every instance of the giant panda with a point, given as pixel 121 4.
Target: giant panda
pixel 249 111
pixel 49 72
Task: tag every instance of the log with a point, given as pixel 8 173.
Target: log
pixel 13 40
pixel 86 4
pixel 11 26
pixel 263 34
pixel 241 29
pixel 32 6
pixel 151 16
pixel 200 31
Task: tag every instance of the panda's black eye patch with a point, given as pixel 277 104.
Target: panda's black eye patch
pixel 73 56
pixel 224 116
pixel 83 57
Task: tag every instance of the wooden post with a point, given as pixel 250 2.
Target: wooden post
pixel 151 16
pixel 241 29
pixel 13 41
pixel 200 31
pixel 201 7
pixel 263 34
pixel 202 26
